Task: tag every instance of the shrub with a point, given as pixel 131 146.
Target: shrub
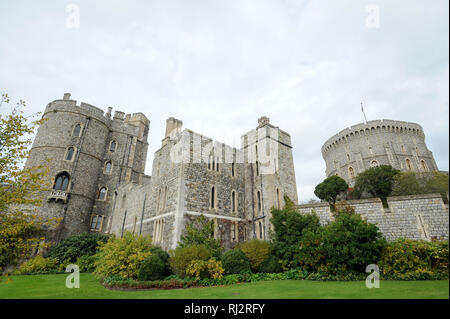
pixel 289 226
pixel 201 232
pixel 348 244
pixel 181 257
pixel 152 268
pixel 73 247
pixel 270 265
pixel 86 263
pixel 256 251
pixel 39 265
pixel 122 256
pixel 202 269
pixel 407 259
pixel 235 261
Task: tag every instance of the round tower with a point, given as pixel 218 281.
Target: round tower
pixel 380 142
pixel 72 141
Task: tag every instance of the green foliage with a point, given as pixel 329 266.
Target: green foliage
pixel 152 268
pixel 201 232
pixel 86 263
pixel 289 226
pixel 330 188
pixel 155 267
pixel 407 259
pixel 410 183
pixel 405 183
pixel 21 230
pixel 75 246
pixel 39 265
pixel 235 261
pixel 181 257
pixel 122 256
pixel 270 265
pixel 173 283
pixel 20 235
pixel 346 245
pixel 256 251
pixel 201 269
pixel 376 181
pixel 438 183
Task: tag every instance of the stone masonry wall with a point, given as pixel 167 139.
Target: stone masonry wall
pixel 415 217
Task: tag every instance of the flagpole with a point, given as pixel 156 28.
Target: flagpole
pixel 362 110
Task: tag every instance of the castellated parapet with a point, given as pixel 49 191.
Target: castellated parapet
pixel 91 154
pixel 379 142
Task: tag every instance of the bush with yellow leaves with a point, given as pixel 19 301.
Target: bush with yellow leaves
pixel 201 269
pixel 122 256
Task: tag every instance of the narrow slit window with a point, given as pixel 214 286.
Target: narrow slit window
pixel 69 153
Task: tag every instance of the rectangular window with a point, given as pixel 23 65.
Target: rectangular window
pixel 96 223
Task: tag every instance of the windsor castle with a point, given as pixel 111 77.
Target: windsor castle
pixel 97 164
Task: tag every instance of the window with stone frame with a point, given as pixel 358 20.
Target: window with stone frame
pixel 351 172
pixel 69 153
pixel 77 130
pixel 213 198
pixel 96 222
pixel 233 202
pixel 61 182
pixel 113 146
pixel 424 166
pixel 408 164
pixel 102 193
pixel 108 167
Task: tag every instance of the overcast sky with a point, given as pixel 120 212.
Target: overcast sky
pixel 219 65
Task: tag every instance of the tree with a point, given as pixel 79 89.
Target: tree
pixel 405 183
pixel 201 232
pixel 289 226
pixel 330 188
pixel 348 244
pixel 438 183
pixel 21 231
pixel 376 181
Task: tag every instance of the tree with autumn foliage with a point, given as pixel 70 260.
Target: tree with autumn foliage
pixel 21 229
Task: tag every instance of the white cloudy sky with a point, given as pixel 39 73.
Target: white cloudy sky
pixel 219 65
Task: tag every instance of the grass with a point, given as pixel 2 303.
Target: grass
pixel 53 287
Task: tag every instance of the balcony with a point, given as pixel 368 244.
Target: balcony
pixel 57 195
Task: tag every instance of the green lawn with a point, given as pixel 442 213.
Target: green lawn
pixel 53 286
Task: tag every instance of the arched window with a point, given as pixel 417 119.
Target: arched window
pixel 408 164
pixel 213 197
pixel 232 169
pixel 424 166
pixel 69 153
pixel 257 168
pixel 102 193
pixel 374 164
pixel 112 146
pixel 108 166
pixel 233 201
pixel 351 172
pixel 62 182
pixel 76 130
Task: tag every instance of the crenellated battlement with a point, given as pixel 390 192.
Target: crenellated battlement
pixel 369 128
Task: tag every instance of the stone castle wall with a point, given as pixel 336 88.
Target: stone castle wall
pixel 415 217
pixel 86 169
pixel 381 142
